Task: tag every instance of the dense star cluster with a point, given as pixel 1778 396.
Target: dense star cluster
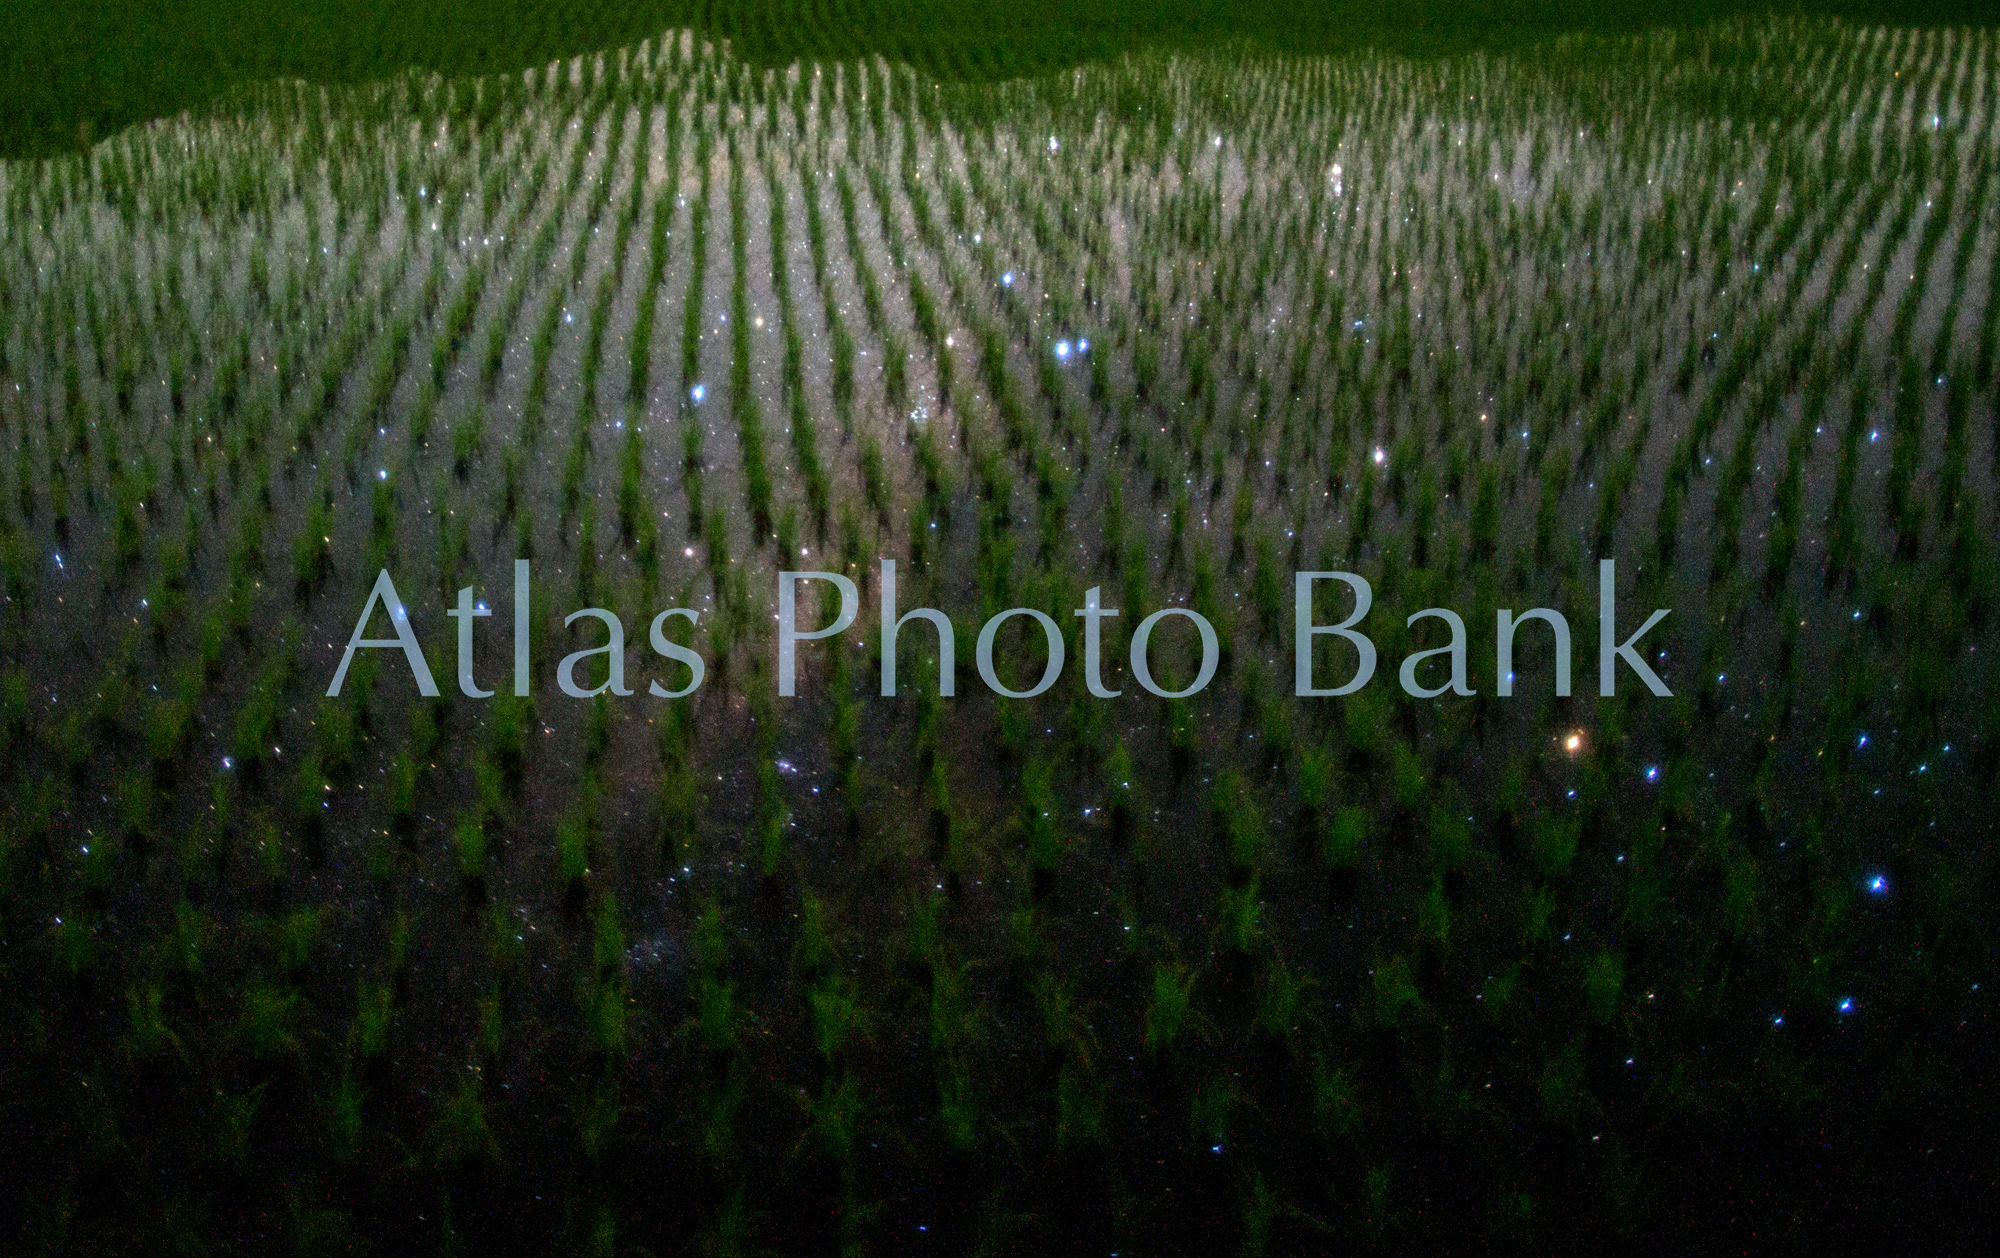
pixel 292 958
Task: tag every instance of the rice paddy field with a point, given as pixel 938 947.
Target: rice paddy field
pixel 732 972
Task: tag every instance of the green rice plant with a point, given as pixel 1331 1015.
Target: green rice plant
pixel 312 554
pixel 598 1110
pixel 837 1114
pixel 1212 1112
pixel 374 1017
pixel 1392 994
pixel 459 1134
pixel 1337 1110
pixel 958 1103
pixel 1434 919
pixel 895 371
pixel 183 949
pixel 268 1023
pixel 575 464
pixel 1239 927
pixel 338 738
pixel 716 1018
pixel 1562 1088
pixel 1167 1007
pixel 467 439
pixel 1408 777
pixel 770 818
pixel 507 738
pixel 1553 843
pixel 1081 1102
pixel 679 803
pixel 607 1015
pixel 345 1124
pixel 691 315
pixel 1604 978
pixel 838 1016
pixel 1235 813
pixel 631 468
pixel 813 954
pixel 924 949
pixel 1041 831
pixel 1450 835
pixel 843 366
pixel 1120 779
pixel 297 942
pixel 573 846
pixel 1340 845
pixel 469 842
pixel 874 478
pixel 1183 736
pixel 147 1037
pixel 138 821
pixel 691 475
pixel 232 1121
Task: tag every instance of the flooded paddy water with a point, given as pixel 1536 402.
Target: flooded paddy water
pixel 737 972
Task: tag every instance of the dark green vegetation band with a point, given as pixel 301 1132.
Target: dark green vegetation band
pixel 75 70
